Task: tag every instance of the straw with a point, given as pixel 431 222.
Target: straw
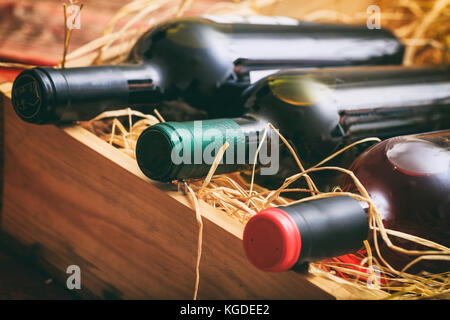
pixel 424 29
pixel 228 194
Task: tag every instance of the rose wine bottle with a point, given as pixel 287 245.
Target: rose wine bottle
pixel 408 180
pixel 318 112
pixel 202 62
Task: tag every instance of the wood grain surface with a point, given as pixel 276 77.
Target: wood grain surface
pixel 70 198
pixel 20 279
pixel 70 205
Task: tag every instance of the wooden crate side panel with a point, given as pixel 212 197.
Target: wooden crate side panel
pixel 130 239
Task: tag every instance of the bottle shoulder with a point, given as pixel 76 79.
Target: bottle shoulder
pixel 174 35
pixel 302 100
pixel 191 56
pixel 408 177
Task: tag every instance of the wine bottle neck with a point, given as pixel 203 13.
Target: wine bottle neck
pixel 306 232
pixel 184 150
pixel 144 83
pixel 48 95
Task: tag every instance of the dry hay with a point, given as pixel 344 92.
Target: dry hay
pixel 423 27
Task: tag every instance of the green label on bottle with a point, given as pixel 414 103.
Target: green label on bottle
pixel 195 145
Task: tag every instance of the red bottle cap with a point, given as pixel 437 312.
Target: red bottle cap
pixel 272 240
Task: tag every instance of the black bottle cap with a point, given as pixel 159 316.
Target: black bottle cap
pixel 33 95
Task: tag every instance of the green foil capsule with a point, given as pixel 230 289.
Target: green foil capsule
pixel 188 149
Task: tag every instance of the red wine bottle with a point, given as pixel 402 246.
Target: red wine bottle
pixel 408 180
pixel 199 61
pixel 284 238
pixel 319 112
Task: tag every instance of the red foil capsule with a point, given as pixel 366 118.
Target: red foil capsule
pixel 284 238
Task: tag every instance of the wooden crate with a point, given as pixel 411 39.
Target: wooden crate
pixel 70 198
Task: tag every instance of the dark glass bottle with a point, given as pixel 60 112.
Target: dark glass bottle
pixel 319 112
pixel 199 61
pixel 408 180
pixel 287 237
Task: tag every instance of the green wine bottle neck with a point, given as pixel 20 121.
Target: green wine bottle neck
pixel 184 150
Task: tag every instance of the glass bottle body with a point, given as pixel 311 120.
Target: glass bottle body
pixel 408 179
pixel 201 62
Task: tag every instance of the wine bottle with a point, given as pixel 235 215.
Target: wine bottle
pixel 203 62
pixel 408 180
pixel 318 112
pixel 284 238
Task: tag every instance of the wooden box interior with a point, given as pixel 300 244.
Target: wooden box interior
pixel 69 198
